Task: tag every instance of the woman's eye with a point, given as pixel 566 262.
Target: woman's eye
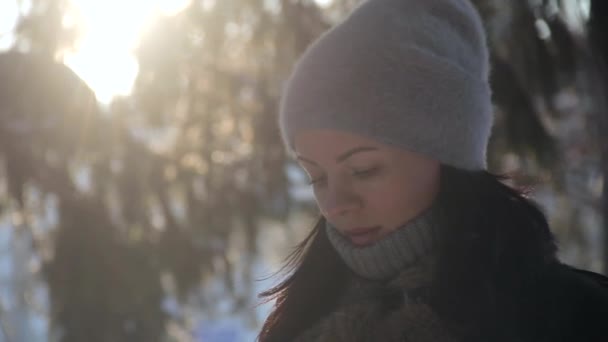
pixel 365 173
pixel 316 181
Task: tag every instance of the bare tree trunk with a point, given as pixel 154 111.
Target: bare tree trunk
pixel 598 37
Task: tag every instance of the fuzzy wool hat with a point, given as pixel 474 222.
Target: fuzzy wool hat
pixel 409 73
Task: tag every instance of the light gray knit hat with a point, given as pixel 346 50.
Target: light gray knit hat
pixel 410 73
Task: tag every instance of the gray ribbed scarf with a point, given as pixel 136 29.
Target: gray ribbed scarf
pixel 387 257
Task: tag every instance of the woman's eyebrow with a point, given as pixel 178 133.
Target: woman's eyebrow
pixel 344 155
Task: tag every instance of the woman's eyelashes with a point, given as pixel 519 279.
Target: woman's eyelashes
pixel 315 180
pixel 363 174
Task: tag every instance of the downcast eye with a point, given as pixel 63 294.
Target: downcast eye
pixel 365 173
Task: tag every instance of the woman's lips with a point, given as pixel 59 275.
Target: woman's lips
pixel 362 236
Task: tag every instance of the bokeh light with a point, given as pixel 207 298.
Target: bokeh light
pixel 111 28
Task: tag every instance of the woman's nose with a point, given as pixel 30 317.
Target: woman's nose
pixel 340 201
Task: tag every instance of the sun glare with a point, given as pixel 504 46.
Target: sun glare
pixel 324 3
pixel 7 22
pixel 104 57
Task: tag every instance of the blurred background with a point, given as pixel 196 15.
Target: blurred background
pixel 144 191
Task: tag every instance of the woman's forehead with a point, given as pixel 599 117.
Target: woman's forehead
pixel 330 139
pixel 324 145
pixel 336 145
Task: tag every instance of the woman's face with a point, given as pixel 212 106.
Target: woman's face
pixel 364 188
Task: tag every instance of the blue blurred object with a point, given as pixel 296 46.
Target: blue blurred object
pixel 219 331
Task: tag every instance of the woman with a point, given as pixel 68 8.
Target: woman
pixel 389 113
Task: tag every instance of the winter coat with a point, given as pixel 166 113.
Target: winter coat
pixel 548 301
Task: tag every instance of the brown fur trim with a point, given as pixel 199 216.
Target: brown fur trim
pixel 369 320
